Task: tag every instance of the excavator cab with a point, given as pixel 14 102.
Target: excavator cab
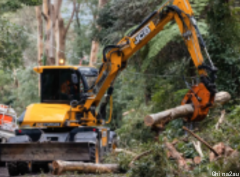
pixel 61 85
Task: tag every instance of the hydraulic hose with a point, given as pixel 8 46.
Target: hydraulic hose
pixel 111 109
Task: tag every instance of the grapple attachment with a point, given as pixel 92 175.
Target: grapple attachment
pixel 201 99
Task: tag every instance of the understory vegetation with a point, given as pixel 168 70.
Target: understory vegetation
pixel 152 82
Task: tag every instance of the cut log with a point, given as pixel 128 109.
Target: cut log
pixel 168 115
pixel 222 98
pixel 197 160
pixel 60 167
pixel 181 111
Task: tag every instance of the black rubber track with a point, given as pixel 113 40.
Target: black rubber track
pixel 40 168
pixel 2 164
pixel 23 168
pixel 12 169
pixel 92 153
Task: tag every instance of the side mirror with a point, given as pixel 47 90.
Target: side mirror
pixel 74 78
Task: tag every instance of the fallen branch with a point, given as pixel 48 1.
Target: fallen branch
pixel 197 145
pixel 182 163
pixel 139 157
pixel 128 112
pixel 180 111
pixel 60 167
pixel 221 119
pixel 125 151
pixel 200 139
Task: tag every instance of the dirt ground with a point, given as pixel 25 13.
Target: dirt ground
pixel 4 173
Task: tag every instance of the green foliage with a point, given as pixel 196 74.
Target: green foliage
pixel 133 125
pixel 12 43
pixel 83 29
pixel 31 2
pixel 6 86
pixel 14 5
pixel 27 92
pixel 157 70
pixel 19 88
pixel 223 45
pixel 11 5
pixel 198 7
pixel 156 164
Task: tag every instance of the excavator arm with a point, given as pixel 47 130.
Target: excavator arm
pixel 115 58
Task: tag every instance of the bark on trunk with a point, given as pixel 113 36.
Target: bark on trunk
pixel 55 31
pixel 40 34
pixel 94 51
pixel 95 43
pixel 40 40
pixel 61 31
pixel 48 12
pixel 181 111
pixel 60 167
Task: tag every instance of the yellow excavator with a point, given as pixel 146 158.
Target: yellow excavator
pixel 68 123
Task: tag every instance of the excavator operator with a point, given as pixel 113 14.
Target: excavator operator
pixel 68 88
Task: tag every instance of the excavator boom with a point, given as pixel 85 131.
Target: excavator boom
pixel 115 57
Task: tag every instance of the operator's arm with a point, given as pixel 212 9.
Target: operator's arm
pixel 115 57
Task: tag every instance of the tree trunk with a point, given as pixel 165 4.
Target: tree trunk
pixel 60 167
pixel 95 43
pixel 48 12
pixel 40 40
pixel 94 52
pixel 181 111
pixel 61 32
pixel 60 41
pixel 40 34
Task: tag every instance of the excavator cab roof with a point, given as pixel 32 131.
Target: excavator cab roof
pixel 39 69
